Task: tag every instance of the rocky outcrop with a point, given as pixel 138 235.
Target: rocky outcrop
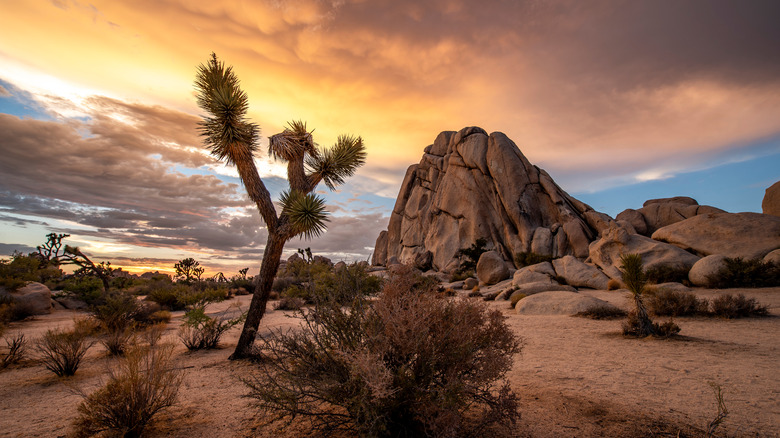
pixel 559 303
pixel 771 202
pixel 472 185
pixel 658 213
pixel 605 252
pixel 579 274
pixel 746 235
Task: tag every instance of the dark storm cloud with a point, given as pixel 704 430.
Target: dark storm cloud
pixel 114 173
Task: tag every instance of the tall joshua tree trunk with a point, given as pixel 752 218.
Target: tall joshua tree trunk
pixel 263 283
pixel 232 138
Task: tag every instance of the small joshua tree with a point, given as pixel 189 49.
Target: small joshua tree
pixel 234 139
pixel 638 323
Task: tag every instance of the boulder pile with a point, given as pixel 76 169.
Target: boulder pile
pixel 470 185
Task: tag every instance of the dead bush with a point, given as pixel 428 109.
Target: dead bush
pixel 144 383
pixel 613 284
pixel 405 364
pixel 667 302
pixel 117 341
pixel 602 312
pixel 62 351
pixel 730 306
pixel 17 350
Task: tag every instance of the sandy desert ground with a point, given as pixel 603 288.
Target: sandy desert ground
pixel 576 378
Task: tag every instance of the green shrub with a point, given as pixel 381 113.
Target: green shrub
pixel 202 332
pixel 667 302
pixel 738 272
pixel 119 311
pixel 20 269
pixel 62 351
pixel 145 383
pixel 321 282
pixel 730 306
pixel 523 259
pixel 667 274
pixel 406 364
pixel 88 289
pixel 180 296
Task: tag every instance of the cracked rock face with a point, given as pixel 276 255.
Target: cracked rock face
pixel 472 185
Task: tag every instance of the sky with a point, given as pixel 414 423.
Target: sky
pixel 620 101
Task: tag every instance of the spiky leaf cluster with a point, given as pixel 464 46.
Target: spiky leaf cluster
pixel 229 135
pixel 633 273
pixel 306 213
pixel 339 162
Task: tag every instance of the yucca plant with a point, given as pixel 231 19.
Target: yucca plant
pixel 638 323
pixel 231 137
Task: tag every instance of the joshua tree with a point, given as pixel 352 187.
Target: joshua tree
pixel 639 323
pixel 188 269
pixel 234 139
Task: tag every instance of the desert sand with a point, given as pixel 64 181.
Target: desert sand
pixel 576 377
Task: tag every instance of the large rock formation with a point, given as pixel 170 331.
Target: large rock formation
pixel 658 213
pixel 746 235
pixel 606 252
pixel 472 185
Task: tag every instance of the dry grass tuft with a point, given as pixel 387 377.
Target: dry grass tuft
pixel 144 383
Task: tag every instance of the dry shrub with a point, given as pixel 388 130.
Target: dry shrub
pixel 515 298
pixel 613 284
pixel 160 316
pixel 730 306
pixel 116 342
pixel 17 350
pixel 667 302
pixel 87 325
pixel 144 383
pixel 62 351
pixel 602 312
pixel 289 303
pixel 475 293
pixel 405 364
pixel 202 332
pixel 153 333
pixel 633 327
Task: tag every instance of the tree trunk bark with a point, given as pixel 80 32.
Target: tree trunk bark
pixel 265 280
pixel 645 323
